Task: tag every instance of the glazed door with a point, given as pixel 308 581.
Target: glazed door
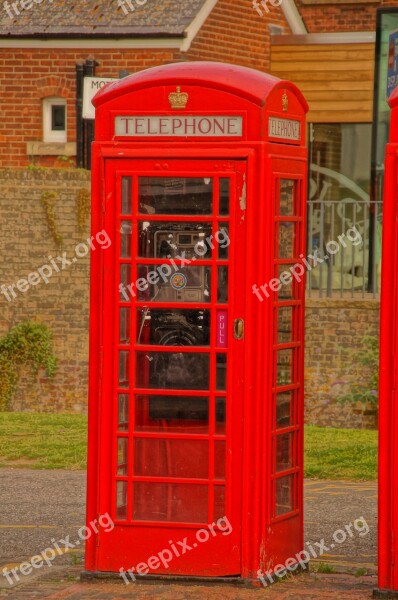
pixel 173 349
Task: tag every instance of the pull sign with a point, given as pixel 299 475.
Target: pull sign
pixel 222 326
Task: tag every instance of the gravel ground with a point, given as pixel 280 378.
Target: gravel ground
pixel 39 507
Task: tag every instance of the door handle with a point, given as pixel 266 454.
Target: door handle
pixel 239 329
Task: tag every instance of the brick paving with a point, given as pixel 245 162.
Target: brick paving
pixel 38 506
pixel 310 586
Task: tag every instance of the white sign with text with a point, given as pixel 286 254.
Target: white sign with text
pixel 91 86
pixel 284 129
pixel 177 126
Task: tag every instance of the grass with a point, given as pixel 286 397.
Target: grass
pixel 58 441
pixel 360 572
pixel 324 568
pixel 340 453
pixel 43 441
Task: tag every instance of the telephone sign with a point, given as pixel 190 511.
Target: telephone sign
pixel 284 129
pixel 183 126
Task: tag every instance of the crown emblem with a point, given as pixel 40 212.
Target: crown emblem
pixel 285 101
pixel 178 99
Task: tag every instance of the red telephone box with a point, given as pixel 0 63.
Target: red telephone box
pixel 196 354
pixel 388 416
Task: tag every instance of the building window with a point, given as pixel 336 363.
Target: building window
pixel 340 208
pixel 387 25
pixel 54 120
pixel 342 151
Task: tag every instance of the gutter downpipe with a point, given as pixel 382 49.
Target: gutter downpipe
pixel 293 17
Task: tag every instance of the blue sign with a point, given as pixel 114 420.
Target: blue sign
pixel 392 68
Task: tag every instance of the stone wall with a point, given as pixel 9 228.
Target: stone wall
pixel 27 242
pixel 335 329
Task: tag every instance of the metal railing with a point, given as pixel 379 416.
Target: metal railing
pixel 353 268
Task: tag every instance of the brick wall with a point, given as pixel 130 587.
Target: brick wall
pixel 27 76
pixel 234 33
pixel 334 330
pixel 334 334
pixel 320 16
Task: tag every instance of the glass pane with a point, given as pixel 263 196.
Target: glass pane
pixel 171 458
pixel 163 283
pixel 221 373
pixel 176 195
pixel 284 452
pixel 125 239
pixel 284 405
pixel 121 500
pixel 126 196
pixel 176 327
pixel 339 189
pixel 286 239
pixel 219 502
pixel 124 364
pixel 160 239
pixel 188 414
pixel 340 154
pixel 386 62
pixel 219 459
pixel 284 367
pixel 124 327
pixel 287 193
pixel 284 495
pixel 222 288
pixel 223 241
pixel 224 183
pixel 173 370
pixel 170 502
pixel 125 281
pixel 123 412
pixel 285 324
pixel 287 288
pixel 220 415
pixel 58 117
pixel 122 456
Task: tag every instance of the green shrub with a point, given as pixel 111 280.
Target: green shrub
pixel 367 392
pixel 27 345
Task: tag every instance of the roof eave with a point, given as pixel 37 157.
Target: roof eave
pixel 93 35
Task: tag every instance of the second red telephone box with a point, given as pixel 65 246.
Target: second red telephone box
pixel 196 352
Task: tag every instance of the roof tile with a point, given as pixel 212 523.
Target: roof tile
pixel 98 18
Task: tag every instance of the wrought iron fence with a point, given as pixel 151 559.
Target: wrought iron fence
pixel 353 268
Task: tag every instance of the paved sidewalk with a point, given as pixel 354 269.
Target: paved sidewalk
pixel 40 506
pixel 309 586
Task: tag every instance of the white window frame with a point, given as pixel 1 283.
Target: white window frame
pixel 50 135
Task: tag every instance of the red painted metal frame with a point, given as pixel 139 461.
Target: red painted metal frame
pixel 388 415
pixel 156 534
pixel 266 539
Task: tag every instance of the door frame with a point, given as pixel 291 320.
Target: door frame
pixel 97 333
